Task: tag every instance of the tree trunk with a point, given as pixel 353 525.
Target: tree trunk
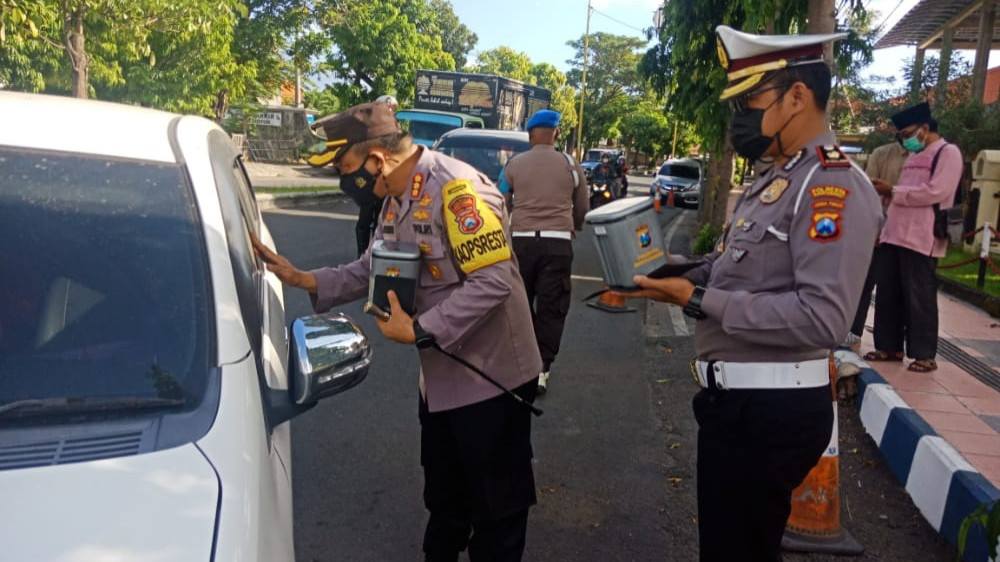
pixel 715 195
pixel 76 49
pixel 822 16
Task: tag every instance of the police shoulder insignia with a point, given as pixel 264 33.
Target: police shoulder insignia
pixel 825 226
pixel 773 191
pixel 421 215
pixel 475 233
pixel 426 200
pixel 434 271
pixel 831 156
pixel 418 186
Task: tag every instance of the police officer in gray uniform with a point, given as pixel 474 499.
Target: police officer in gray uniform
pixel 475 441
pixel 549 190
pixel 775 297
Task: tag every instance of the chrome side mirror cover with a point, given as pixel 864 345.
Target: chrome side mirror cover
pixel 330 354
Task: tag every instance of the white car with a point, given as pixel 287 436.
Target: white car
pixel 146 372
pixel 684 177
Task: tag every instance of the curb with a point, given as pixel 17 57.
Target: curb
pixel 267 201
pixel 941 483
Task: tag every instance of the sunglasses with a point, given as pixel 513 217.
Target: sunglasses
pixel 740 103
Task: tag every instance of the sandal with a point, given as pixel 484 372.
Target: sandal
pixel 922 366
pixel 879 355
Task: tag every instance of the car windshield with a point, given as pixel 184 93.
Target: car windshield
pixel 427 130
pixel 104 296
pixel 686 171
pixel 485 153
pixel 594 155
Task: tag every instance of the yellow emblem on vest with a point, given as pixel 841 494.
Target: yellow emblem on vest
pixel 476 235
pixel 774 191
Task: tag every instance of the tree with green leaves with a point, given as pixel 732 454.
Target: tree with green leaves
pixel 380 44
pixel 504 61
pixel 612 78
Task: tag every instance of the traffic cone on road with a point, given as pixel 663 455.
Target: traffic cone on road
pixel 610 302
pixel 670 198
pixel 656 203
pixel 814 523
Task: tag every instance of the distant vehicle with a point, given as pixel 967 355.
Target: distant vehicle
pixel 427 125
pixel 502 103
pixel 146 369
pixel 487 150
pixel 684 177
pixel 592 159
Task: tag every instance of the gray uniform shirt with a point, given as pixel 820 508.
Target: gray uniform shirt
pixel 784 284
pixel 470 296
pixel 545 195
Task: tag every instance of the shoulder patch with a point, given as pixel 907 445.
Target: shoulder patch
pixel 475 233
pixel 829 191
pixel 825 226
pixel 831 156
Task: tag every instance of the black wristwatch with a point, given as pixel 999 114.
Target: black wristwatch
pixel 693 307
pixel 424 340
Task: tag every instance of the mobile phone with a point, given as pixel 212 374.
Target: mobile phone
pixel 374 310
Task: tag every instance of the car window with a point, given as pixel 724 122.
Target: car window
pixel 103 290
pixel 680 171
pixel 428 130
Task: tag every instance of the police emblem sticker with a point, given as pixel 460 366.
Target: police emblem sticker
pixel 643 236
pixel 475 233
pixel 825 226
pixel 418 186
pixel 392 272
pixel 774 191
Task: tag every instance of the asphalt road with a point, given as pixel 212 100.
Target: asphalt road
pixel 614 451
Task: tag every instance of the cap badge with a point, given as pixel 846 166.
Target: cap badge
pixel 774 191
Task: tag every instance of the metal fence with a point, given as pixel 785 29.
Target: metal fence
pixel 273 150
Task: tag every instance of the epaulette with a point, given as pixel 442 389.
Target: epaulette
pixel 831 156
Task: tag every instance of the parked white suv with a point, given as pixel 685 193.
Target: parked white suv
pixel 146 372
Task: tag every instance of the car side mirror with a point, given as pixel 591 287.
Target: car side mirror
pixel 329 354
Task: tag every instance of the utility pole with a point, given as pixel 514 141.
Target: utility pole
pixel 583 88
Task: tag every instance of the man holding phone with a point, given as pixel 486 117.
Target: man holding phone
pixel 470 300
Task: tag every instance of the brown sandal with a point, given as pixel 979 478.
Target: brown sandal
pixel 922 366
pixel 879 355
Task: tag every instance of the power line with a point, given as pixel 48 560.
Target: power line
pixel 618 21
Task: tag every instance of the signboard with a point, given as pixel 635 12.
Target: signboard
pixel 268 119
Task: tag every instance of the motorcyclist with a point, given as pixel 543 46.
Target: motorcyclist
pixel 605 172
pixel 623 175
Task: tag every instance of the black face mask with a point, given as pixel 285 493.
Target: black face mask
pixel 745 134
pixel 360 186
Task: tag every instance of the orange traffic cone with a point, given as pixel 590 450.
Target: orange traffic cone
pixel 656 203
pixel 670 198
pixel 610 302
pixel 814 523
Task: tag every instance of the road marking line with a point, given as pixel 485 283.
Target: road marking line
pixel 677 318
pixel 326 215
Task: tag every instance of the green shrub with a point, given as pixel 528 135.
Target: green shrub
pixel 707 238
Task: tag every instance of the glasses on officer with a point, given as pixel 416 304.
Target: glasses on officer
pixel 740 103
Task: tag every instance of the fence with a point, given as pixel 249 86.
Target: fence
pixel 273 150
pixel 983 258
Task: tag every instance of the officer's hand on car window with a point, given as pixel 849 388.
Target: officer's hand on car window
pixel 399 326
pixel 674 290
pixel 282 268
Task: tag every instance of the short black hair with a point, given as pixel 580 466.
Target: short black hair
pixel 815 76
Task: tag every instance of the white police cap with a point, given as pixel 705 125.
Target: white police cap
pixel 747 58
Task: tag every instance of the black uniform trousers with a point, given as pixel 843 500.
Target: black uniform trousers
pixel 906 308
pixel 858 326
pixel 546 265
pixel 478 480
pixel 754 448
pixel 365 226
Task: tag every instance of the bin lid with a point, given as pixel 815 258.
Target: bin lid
pixel 392 250
pixel 619 209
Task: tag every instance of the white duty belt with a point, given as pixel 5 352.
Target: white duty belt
pixel 727 375
pixel 560 234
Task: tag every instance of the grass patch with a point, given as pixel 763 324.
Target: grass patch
pixel 969 273
pixel 303 189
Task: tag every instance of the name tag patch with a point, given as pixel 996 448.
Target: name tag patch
pixel 476 236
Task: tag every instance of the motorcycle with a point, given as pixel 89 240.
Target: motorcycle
pixel 600 193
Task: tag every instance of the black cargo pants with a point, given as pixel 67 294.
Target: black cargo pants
pixel 546 265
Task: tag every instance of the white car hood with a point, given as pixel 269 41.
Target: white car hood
pixel 146 508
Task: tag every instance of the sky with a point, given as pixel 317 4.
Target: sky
pixel 542 33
